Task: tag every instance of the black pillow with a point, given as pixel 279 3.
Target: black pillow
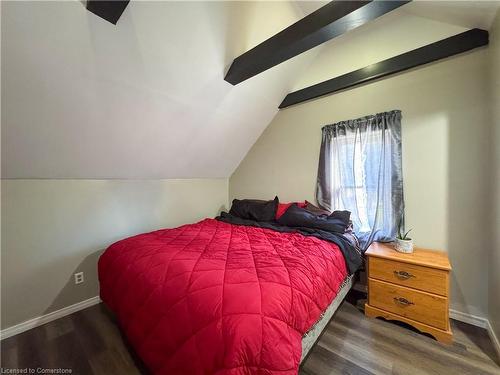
pixel 299 217
pixel 343 216
pixel 316 210
pixel 254 209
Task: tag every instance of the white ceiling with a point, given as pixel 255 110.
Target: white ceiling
pixel 411 26
pixel 470 14
pixel 82 98
pixel 466 13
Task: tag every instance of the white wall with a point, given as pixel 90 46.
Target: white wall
pixel 54 228
pixel 494 272
pixel 445 109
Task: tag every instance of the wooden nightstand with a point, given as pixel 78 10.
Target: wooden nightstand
pixel 412 288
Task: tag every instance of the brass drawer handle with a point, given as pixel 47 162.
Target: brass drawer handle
pixel 402 301
pixel 403 275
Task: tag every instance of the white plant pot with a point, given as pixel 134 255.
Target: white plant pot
pixel 403 246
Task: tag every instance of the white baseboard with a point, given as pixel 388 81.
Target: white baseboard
pixel 477 321
pixel 474 320
pixel 35 322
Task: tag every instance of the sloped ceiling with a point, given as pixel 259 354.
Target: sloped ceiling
pixel 409 27
pixel 82 98
pixel 464 13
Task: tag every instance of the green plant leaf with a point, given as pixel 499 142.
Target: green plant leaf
pixel 405 237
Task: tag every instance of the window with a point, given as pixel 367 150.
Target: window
pixel 360 171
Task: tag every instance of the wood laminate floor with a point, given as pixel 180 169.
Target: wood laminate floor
pixel 89 342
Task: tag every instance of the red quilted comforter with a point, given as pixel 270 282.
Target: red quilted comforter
pixel 218 298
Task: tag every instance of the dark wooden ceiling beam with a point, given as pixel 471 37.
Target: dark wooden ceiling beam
pixel 330 21
pixel 111 11
pixel 454 45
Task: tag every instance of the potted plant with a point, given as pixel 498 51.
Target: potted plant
pixel 403 244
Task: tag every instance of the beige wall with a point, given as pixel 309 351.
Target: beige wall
pixel 494 284
pixel 445 159
pixel 54 228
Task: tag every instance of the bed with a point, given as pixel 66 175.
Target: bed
pixel 223 296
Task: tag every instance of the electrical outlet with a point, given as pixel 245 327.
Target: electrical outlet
pixel 78 277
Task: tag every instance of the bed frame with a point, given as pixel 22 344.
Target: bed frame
pixel 312 336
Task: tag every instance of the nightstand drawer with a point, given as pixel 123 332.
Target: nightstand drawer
pixel 410 303
pixel 423 278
